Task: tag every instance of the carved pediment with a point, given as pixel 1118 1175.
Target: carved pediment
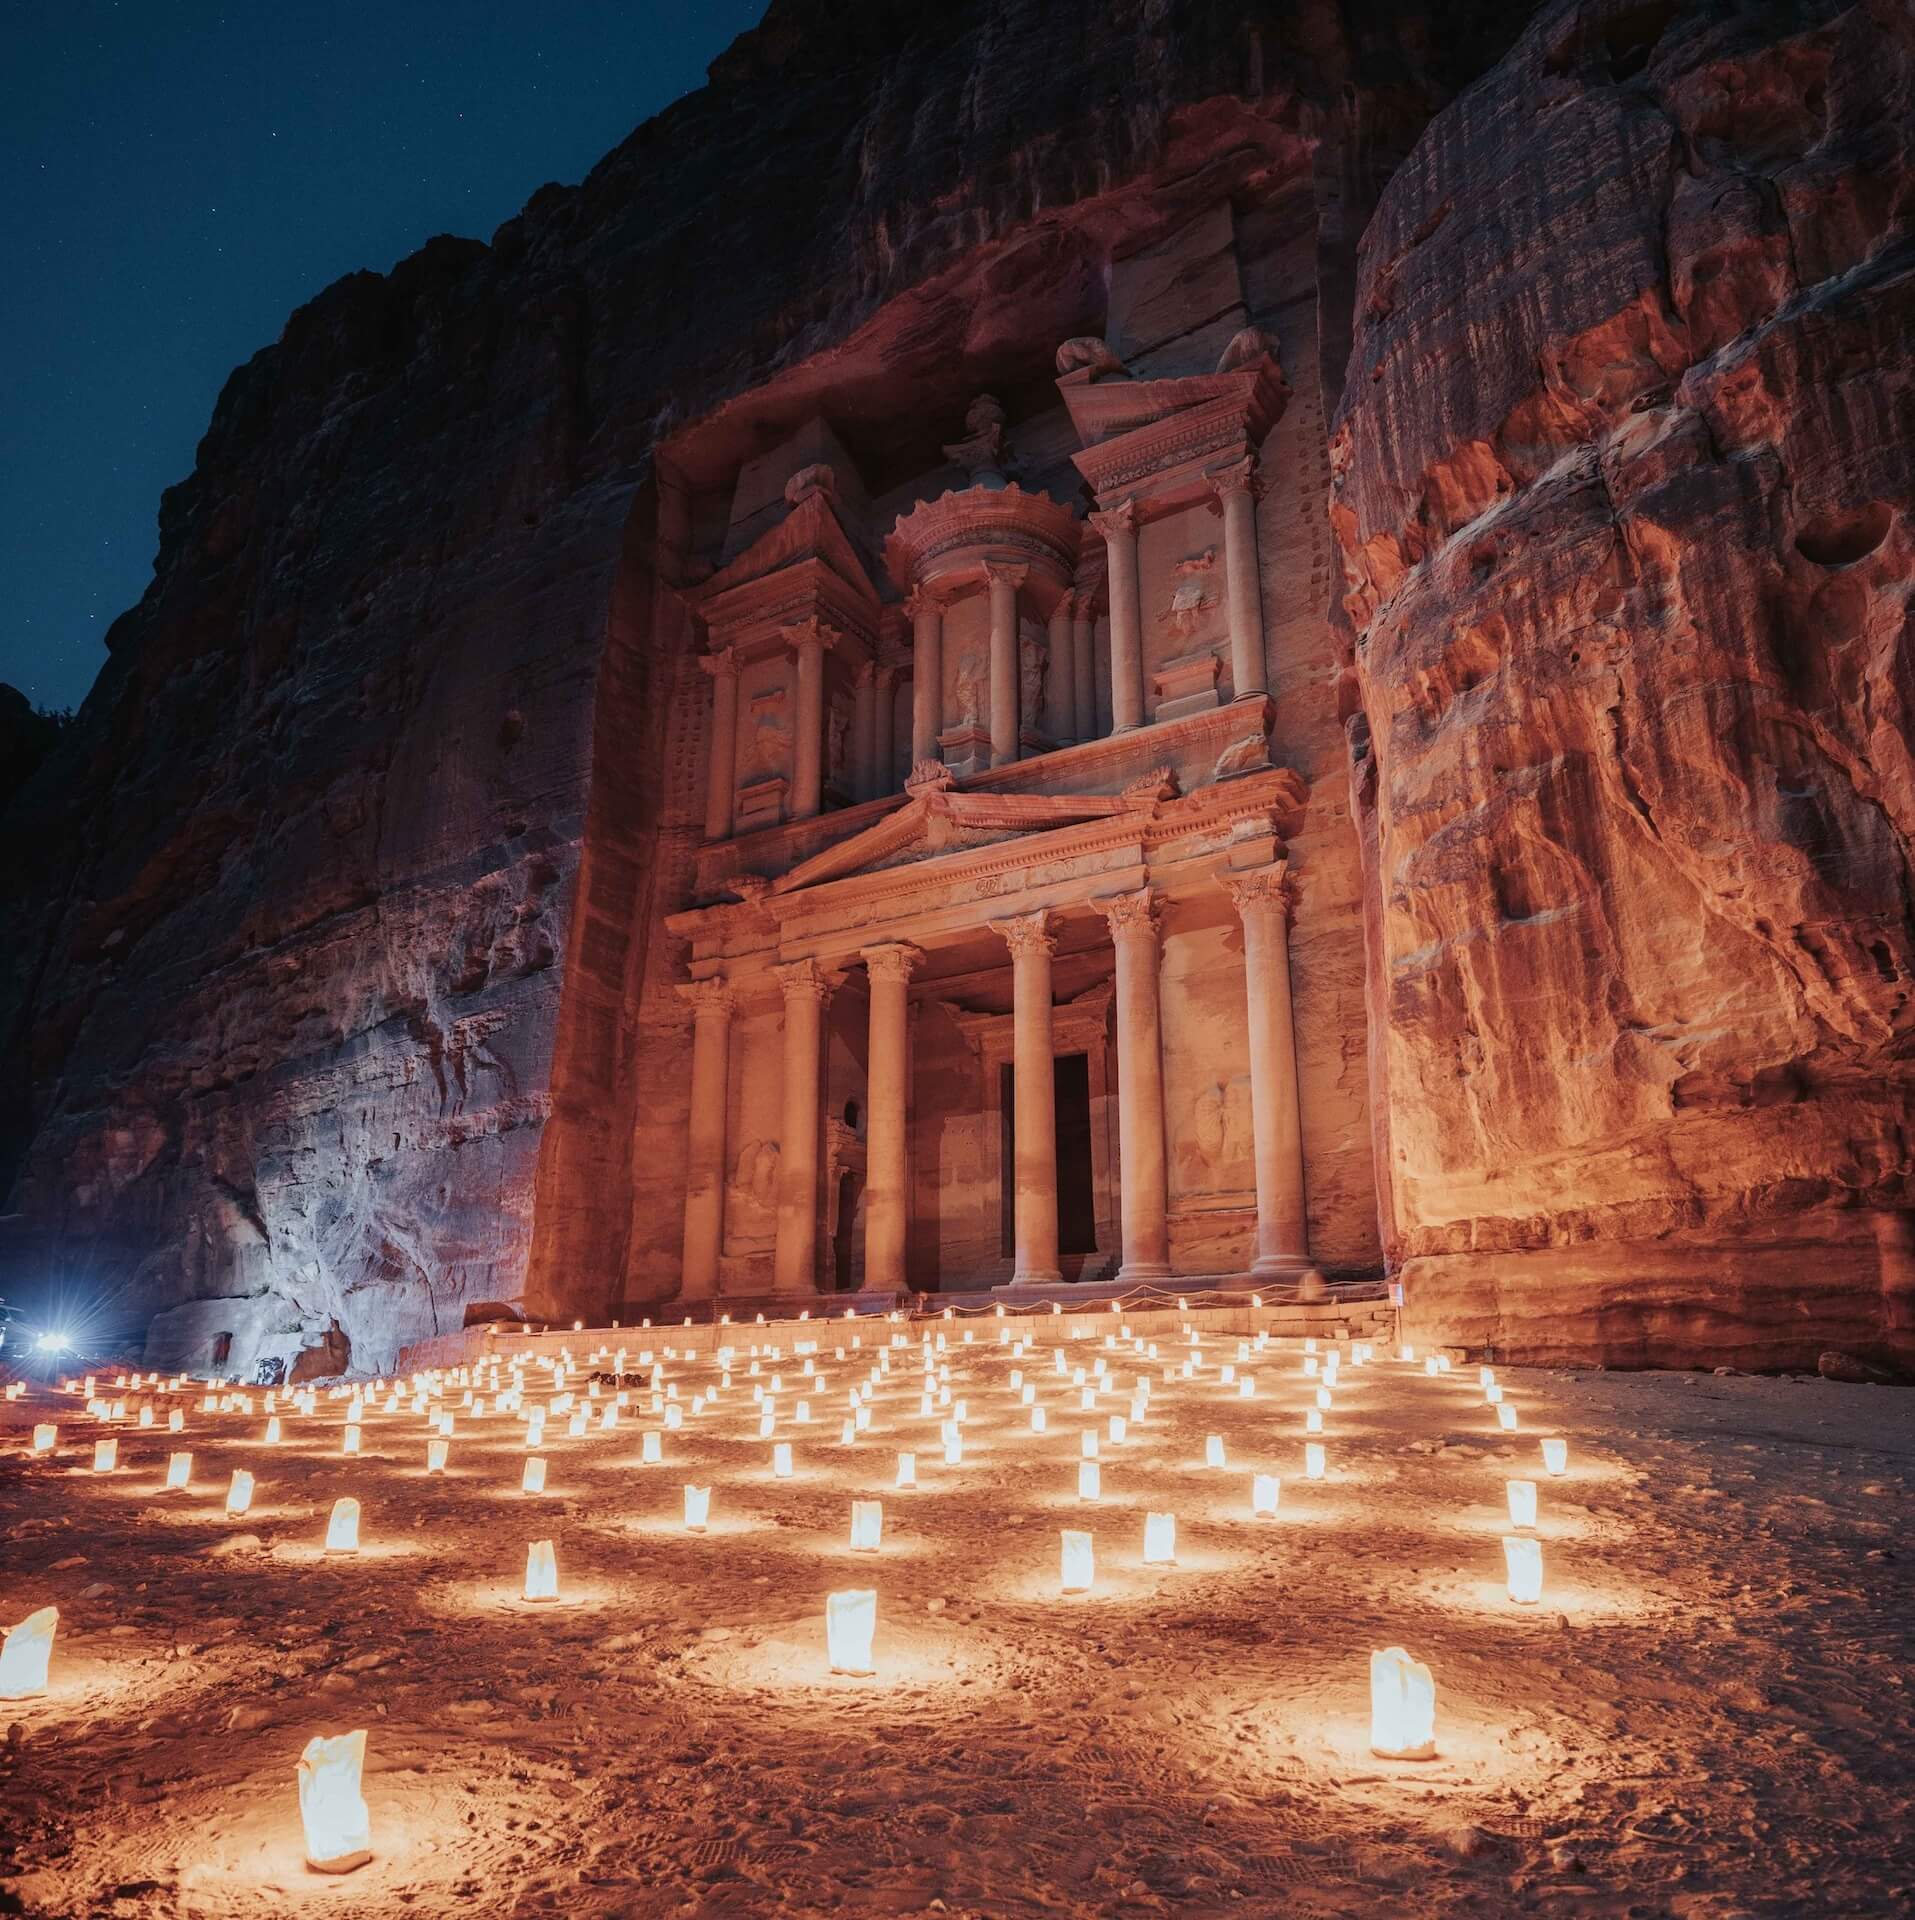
pixel 938 821
pixel 805 566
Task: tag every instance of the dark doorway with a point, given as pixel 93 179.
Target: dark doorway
pixel 844 1244
pixel 1076 1200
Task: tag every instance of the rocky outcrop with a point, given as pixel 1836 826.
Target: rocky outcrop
pixel 1626 469
pixel 327 918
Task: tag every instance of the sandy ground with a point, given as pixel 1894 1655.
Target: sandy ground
pixel 1709 1714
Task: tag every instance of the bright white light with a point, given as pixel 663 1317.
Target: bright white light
pixel 1160 1539
pixel 342 1529
pixel 331 1807
pixel 1402 1706
pixel 53 1343
pixel 1265 1491
pixel 851 1618
pixel 867 1525
pixel 1524 1562
pixel 24 1653
pixel 1079 1564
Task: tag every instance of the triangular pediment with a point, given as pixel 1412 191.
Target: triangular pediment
pixel 939 823
pixel 808 551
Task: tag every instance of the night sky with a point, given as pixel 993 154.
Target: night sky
pixel 177 177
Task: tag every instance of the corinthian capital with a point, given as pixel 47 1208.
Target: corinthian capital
pixel 1006 573
pixel 1118 522
pixel 921 601
pixel 1027 934
pixel 810 633
pixel 806 980
pixel 1131 913
pixel 720 663
pixel 1262 888
pixel 895 960
pixel 707 997
pixel 1240 476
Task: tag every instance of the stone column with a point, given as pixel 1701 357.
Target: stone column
pixel 1237 491
pixel 1084 666
pixel 864 727
pixel 1034 1091
pixel 810 640
pixel 807 990
pixel 884 747
pixel 927 675
pixel 711 1005
pixel 1005 674
pixel 1063 674
pixel 1143 1180
pixel 721 772
pixel 1119 528
pixel 887 1193
pixel 1263 897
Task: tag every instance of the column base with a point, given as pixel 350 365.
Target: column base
pixel 1051 1279
pixel 1139 1273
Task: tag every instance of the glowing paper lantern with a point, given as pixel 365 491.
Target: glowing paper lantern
pixel 106 1455
pixel 179 1469
pixel 577 1424
pixel 781 1460
pixel 1506 1416
pixel 1247 1387
pixel 1323 1398
pixel 349 1443
pixel 1213 1450
pixel 1079 1564
pixel 652 1449
pixel 342 1530
pixel 1037 1420
pixel 907 1470
pixel 1090 1479
pixel 532 1480
pixel 848 1433
pixel 239 1496
pixel 1087 1443
pixel 331 1807
pixel 1160 1539
pixel 272 1431
pixel 45 1438
pixel 953 1446
pixel 1402 1707
pixel 1556 1456
pixel 867 1525
pixel 25 1652
pixel 176 1421
pixel 1522 1502
pixel 1118 1428
pixel 1265 1490
pixel 1524 1561
pixel 1313 1459
pixel 1313 1420
pixel 541 1571
pixel 851 1618
pixel 436 1451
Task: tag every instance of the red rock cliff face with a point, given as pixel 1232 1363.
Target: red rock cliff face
pixel 318 1000
pixel 1627 461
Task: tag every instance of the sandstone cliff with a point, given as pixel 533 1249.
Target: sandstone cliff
pixel 1626 470
pixel 317 1008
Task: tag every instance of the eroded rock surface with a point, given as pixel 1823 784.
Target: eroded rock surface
pixel 319 998
pixel 1626 466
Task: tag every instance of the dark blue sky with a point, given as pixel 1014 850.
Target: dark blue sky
pixel 176 177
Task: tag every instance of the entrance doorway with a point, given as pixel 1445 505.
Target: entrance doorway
pixel 1076 1187
pixel 844 1243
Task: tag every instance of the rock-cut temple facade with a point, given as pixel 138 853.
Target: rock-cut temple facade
pixel 1029 651
pixel 988 936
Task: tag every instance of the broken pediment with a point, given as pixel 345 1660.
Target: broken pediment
pixel 805 566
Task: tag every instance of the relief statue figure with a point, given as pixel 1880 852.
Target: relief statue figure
pixel 973 689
